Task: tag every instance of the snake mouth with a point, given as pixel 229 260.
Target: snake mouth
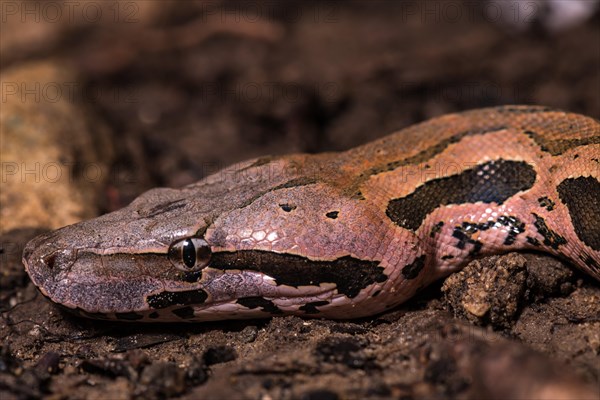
pixel 249 307
pixel 58 276
pixel 80 279
pixel 122 286
pixel 80 276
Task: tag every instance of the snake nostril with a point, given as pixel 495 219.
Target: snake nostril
pixel 49 260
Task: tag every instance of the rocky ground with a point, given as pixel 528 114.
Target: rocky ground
pixel 110 99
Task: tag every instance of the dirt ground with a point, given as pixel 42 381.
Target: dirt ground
pixel 130 95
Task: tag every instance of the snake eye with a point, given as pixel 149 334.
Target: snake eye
pixel 191 254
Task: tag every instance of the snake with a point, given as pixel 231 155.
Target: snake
pixel 337 235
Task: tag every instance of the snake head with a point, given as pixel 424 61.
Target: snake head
pixel 104 267
pixel 226 247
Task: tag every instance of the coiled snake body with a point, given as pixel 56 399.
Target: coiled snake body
pixel 337 235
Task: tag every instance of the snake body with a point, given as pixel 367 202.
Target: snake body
pixel 337 235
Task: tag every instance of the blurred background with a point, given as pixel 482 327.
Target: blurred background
pixel 183 89
pixel 103 100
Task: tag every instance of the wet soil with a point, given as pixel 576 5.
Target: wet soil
pixel 175 91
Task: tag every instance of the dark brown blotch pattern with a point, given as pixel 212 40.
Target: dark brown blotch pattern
pixel 582 198
pixel 349 274
pixel 546 203
pixel 311 308
pixel 184 312
pixel 560 146
pixel 551 238
pixel 491 182
pixel 259 302
pixel 412 270
pixel 183 298
pixel 129 316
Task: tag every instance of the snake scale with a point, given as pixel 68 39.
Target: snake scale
pixel 337 235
